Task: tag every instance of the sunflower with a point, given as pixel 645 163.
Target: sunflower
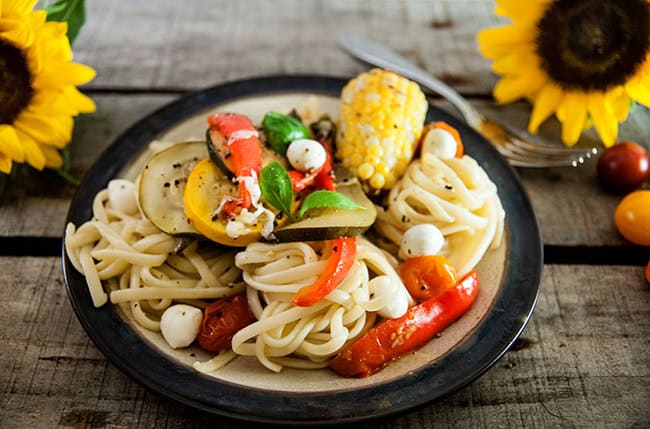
pixel 585 61
pixel 38 94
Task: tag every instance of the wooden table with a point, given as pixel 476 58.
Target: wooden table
pixel 584 358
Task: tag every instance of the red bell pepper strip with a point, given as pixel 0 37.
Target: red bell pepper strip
pixel 301 181
pixel 245 153
pixel 325 177
pixel 343 253
pixel 394 338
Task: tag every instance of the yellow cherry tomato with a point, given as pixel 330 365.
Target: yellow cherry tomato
pixel 632 217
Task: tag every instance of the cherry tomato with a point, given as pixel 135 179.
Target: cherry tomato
pixel 632 217
pixel 426 277
pixel 221 320
pixel 647 272
pixel 623 167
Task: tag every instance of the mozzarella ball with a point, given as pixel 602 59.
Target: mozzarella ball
pixel 306 155
pixel 440 143
pixel 421 240
pixel 180 325
pixel 399 296
pixel 121 196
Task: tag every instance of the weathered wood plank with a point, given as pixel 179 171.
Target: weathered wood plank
pixel 571 208
pixel 195 44
pixel 584 360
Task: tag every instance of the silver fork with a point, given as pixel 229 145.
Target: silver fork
pixel 513 145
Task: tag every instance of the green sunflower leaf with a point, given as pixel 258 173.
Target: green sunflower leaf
pixel 71 11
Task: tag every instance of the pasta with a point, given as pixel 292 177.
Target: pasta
pixel 306 337
pixel 293 303
pixel 454 194
pixel 145 270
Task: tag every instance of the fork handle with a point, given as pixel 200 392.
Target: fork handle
pixel 380 56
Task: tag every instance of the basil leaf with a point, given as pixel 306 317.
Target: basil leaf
pixel 281 130
pixel 71 11
pixel 320 199
pixel 276 187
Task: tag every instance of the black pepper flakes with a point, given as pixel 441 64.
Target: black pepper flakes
pixel 449 187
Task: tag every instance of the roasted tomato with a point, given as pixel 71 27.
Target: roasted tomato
pixel 426 277
pixel 221 320
pixel 393 338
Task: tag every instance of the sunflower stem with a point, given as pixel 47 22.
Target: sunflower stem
pixel 67 177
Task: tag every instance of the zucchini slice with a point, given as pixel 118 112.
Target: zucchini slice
pixel 162 182
pixel 218 151
pixel 206 186
pixel 330 223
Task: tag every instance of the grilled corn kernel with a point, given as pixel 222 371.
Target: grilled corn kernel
pixel 382 115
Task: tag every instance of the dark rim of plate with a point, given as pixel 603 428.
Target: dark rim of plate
pixel 497 331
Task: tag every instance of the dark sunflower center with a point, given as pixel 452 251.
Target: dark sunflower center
pixel 593 44
pixel 15 82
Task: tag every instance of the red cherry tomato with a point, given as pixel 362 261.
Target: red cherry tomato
pixel 647 272
pixel 632 217
pixel 623 167
pixel 426 277
pixel 221 320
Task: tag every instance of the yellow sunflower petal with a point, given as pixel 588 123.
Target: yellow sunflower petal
pixel 38 18
pixel 517 10
pixel 511 88
pixel 64 74
pixel 572 112
pixel 33 154
pixel 16 32
pixel 546 102
pixel 516 62
pixel 53 102
pixel 17 7
pixel 52 157
pixel 496 42
pixel 620 102
pixel 50 130
pixel 67 101
pixel 9 144
pixel 603 117
pixel 5 163
pixel 639 91
pixel 81 102
pixel 638 87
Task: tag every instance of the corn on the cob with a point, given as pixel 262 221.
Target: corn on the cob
pixel 381 119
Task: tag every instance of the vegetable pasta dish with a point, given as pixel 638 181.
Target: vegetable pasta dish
pixel 302 241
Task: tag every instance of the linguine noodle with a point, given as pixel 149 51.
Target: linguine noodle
pixel 457 196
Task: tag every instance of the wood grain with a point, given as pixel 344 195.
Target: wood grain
pixel 584 360
pixel 195 44
pixel 571 208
